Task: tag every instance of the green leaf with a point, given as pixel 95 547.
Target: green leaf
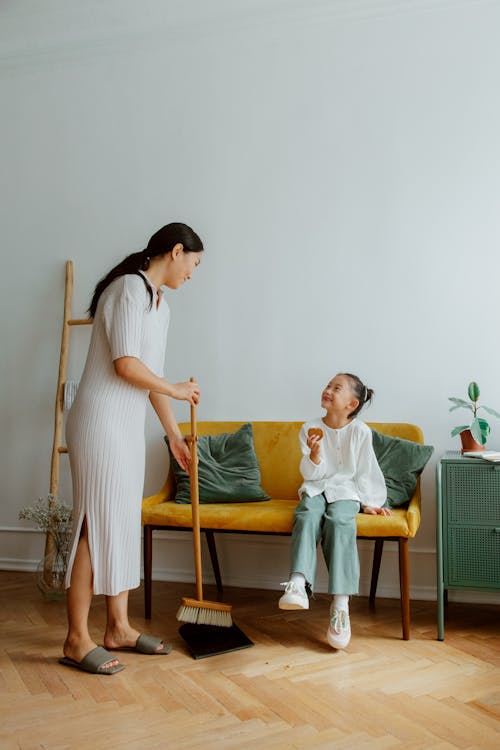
pixel 458 430
pixel 459 402
pixel 473 391
pixel 465 405
pixel 480 430
pixel 490 411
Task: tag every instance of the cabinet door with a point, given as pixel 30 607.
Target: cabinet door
pixel 472 494
pixel 473 557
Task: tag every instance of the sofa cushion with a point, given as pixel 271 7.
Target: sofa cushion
pixel 401 462
pixel 274 517
pixel 228 470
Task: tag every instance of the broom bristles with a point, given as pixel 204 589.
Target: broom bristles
pixel 205 613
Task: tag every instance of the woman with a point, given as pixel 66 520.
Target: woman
pixel 105 438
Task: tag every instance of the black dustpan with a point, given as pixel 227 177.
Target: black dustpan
pixel 210 640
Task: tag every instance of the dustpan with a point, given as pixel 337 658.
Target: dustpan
pixel 208 640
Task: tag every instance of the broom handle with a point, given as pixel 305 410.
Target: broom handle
pixel 195 503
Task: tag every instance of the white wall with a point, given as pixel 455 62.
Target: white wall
pixel 340 161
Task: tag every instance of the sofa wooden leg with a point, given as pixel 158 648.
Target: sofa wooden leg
pixel 148 569
pixel 404 585
pixel 215 562
pixel 377 557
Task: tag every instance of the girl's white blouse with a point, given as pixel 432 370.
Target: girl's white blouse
pixel 348 468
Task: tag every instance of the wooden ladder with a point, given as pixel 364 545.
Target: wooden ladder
pixel 57 447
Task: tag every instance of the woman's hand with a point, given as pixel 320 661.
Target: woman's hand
pixel 180 451
pixel 377 511
pixel 186 392
pixel 136 373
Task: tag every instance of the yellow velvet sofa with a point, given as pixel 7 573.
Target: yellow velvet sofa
pixel 278 452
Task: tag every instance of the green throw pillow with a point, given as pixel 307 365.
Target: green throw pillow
pixel 401 462
pixel 228 470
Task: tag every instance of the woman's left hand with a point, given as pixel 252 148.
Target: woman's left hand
pixel 377 511
pixel 189 391
pixel 181 452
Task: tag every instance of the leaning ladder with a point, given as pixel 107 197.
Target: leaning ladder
pixel 57 447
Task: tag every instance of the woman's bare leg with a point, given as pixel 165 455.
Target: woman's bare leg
pixel 78 642
pixel 119 632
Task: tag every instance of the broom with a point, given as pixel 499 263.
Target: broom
pixel 199 611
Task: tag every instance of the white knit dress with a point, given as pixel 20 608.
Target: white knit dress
pixel 105 433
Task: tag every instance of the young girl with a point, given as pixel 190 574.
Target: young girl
pixel 341 476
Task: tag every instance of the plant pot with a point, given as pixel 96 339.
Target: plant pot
pixel 469 444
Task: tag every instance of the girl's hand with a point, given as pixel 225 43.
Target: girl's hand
pixel 313 443
pixel 186 392
pixel 377 511
pixel 181 451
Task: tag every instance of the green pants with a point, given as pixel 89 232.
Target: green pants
pixel 335 525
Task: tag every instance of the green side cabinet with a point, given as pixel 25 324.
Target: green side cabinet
pixel 468 526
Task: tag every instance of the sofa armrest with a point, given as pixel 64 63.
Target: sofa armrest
pixel 166 493
pixel 414 511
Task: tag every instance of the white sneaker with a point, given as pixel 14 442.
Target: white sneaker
pixel 338 634
pixel 295 597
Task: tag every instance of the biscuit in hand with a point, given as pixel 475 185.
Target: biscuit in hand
pixel 315 432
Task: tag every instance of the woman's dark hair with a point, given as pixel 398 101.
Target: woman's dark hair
pixel 363 394
pixel 162 242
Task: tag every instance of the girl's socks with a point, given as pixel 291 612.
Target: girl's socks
pixel 341 601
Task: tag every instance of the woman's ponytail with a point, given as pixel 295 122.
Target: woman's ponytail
pixel 131 264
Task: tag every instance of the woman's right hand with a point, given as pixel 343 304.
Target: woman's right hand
pixel 180 451
pixel 186 392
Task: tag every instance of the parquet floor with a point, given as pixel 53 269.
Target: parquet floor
pixel 290 690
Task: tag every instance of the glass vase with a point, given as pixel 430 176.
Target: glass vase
pixel 51 570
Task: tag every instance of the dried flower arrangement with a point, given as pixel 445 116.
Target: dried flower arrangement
pixel 54 518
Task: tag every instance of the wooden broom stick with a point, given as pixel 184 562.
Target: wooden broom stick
pixel 200 611
pixel 195 503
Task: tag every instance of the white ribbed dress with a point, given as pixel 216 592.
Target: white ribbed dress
pixel 105 433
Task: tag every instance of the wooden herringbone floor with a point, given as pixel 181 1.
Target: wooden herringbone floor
pixel 290 690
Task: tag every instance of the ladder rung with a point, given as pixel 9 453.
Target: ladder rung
pixel 62 449
pixel 80 322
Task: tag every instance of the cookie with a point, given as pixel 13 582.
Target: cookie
pixel 315 432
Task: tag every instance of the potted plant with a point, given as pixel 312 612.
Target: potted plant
pixel 475 434
pixel 55 519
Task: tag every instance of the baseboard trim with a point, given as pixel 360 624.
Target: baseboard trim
pixel 418 593
pixel 259 562
pixel 19 530
pixel 22 566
